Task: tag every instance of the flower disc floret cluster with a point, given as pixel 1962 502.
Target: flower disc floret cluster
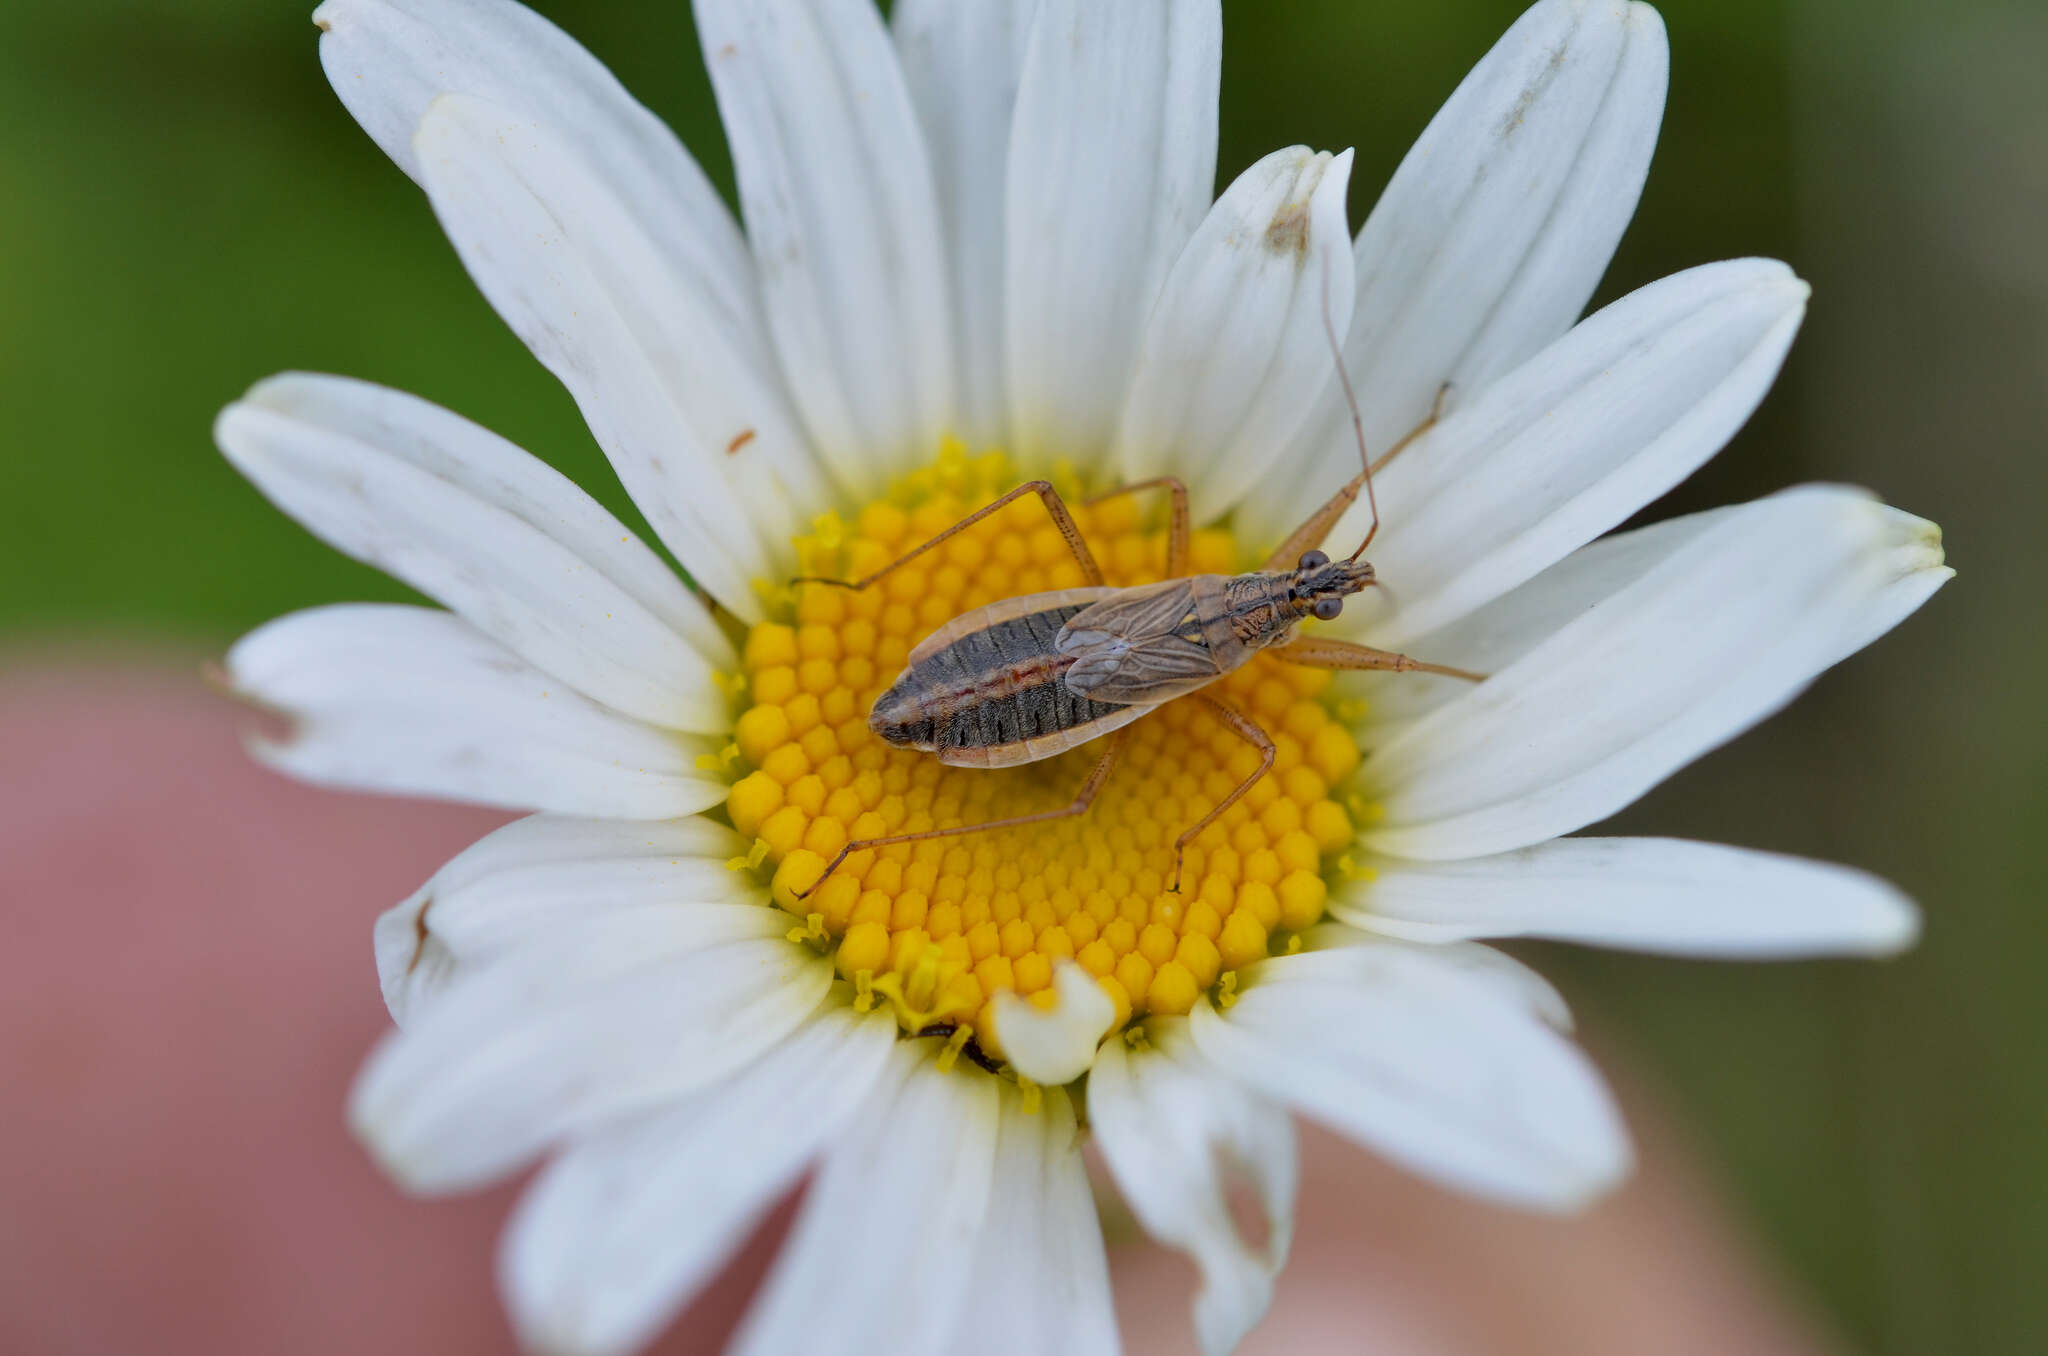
pixel 945 924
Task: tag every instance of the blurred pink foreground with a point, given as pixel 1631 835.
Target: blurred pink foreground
pixel 186 991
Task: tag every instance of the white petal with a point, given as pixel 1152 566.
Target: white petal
pixel 962 64
pixel 1645 894
pixel 625 1013
pixel 497 535
pixel 1112 161
pixel 1055 1047
pixel 1490 638
pixel 886 1241
pixel 1241 340
pixel 1040 1282
pixel 621 1230
pixel 1492 235
pixel 1724 631
pixel 837 193
pixel 414 701
pixel 390 59
pixel 1435 1067
pixel 1584 434
pixel 540 873
pixel 1511 979
pixel 413 966
pixel 1174 1130
pixel 668 360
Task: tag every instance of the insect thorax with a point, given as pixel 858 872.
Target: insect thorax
pixel 1260 609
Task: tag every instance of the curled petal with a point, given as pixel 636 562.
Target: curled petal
pixel 1240 340
pixel 1055 1046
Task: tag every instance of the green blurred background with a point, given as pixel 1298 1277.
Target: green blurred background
pixel 187 208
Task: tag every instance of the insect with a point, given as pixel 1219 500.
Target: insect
pixel 1029 677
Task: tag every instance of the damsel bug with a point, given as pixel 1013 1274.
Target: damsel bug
pixel 1029 677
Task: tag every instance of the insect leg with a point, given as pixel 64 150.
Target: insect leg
pixel 1179 527
pixel 1061 518
pixel 1320 653
pixel 1436 412
pixel 1252 735
pixel 1311 533
pixel 1078 806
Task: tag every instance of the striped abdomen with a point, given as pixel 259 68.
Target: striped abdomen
pixel 985 689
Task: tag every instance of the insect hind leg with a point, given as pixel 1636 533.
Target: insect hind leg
pixel 1251 734
pixel 1077 806
pixel 1054 505
pixel 1179 523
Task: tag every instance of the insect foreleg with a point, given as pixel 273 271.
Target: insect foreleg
pixel 1320 653
pixel 1252 735
pixel 1061 518
pixel 1078 806
pixel 1179 526
pixel 1317 527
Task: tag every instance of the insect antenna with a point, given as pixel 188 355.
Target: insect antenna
pixel 1357 422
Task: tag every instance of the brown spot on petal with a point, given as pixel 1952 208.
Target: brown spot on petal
pixel 419 932
pixel 1288 233
pixel 746 436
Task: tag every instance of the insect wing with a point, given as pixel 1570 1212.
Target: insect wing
pixel 1152 673
pixel 1142 613
pixel 1138 645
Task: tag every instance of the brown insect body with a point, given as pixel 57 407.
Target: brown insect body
pixel 986 689
pixel 1030 677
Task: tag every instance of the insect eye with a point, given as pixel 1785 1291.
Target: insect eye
pixel 1312 560
pixel 1328 609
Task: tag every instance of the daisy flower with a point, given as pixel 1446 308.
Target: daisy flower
pixel 979 247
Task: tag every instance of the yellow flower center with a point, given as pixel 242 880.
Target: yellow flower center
pixel 937 928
